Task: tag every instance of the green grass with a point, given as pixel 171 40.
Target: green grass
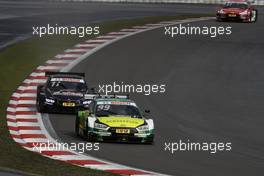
pixel 18 61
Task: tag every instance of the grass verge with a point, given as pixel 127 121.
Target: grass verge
pixel 18 61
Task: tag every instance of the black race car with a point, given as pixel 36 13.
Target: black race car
pixel 63 92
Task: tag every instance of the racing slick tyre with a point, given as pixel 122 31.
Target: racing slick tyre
pixel 40 106
pixel 89 138
pixel 150 141
pixel 254 16
pixel 218 19
pixel 82 132
pixel 77 129
pixel 86 135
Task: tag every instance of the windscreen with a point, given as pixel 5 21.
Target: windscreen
pixel 119 110
pixel 57 84
pixel 235 5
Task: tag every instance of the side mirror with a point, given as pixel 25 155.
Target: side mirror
pixel 84 113
pixel 146 113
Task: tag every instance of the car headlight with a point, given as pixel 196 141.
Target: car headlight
pixel 221 11
pixel 49 100
pixel 244 12
pixel 100 126
pixel 143 128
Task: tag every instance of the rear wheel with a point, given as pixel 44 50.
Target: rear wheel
pixel 77 128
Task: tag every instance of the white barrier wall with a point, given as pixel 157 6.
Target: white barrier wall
pixel 257 2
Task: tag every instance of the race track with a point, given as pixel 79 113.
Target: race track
pixel 18 17
pixel 215 92
pixel 215 89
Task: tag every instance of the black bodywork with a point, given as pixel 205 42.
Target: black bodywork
pixel 62 93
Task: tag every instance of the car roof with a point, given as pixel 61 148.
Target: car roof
pixel 66 76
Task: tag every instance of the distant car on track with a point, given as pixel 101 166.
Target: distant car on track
pixel 237 10
pixel 114 118
pixel 63 92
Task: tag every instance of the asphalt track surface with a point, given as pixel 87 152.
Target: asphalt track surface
pixel 215 93
pixel 215 89
pixel 18 17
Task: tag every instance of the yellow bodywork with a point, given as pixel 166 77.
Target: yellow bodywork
pixel 127 122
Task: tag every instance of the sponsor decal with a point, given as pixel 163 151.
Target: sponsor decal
pixel 69 94
pixel 117 103
pixel 126 122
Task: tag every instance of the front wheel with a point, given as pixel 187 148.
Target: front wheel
pixel 40 106
pixel 218 19
pixel 82 132
pixel 90 137
pixel 254 16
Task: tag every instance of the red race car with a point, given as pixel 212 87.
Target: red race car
pixel 237 10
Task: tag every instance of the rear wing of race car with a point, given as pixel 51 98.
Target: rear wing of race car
pixel 64 74
pixel 95 96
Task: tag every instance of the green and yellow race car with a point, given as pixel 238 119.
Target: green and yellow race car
pixel 114 118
